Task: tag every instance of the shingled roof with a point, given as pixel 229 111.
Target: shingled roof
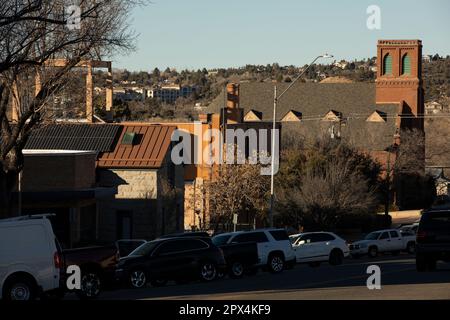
pixel 74 136
pixel 355 101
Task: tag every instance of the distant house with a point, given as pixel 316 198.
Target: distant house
pixel 171 92
pixel 433 107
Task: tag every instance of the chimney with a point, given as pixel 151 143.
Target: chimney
pixel 233 113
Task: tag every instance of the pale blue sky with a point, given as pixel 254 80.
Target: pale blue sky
pixel 229 33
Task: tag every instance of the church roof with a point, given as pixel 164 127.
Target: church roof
pixel 354 102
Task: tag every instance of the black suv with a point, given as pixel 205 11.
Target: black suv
pixel 433 239
pixel 178 259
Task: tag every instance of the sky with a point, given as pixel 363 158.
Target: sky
pixel 193 34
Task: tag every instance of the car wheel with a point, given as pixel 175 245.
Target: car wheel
pixel 373 252
pixel 336 257
pixel 20 288
pixel 314 264
pixel 276 263
pixel 208 271
pixel 90 285
pixel 138 279
pixel 411 248
pixel 158 282
pixel 236 269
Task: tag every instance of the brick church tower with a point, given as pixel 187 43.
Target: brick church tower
pixel 399 79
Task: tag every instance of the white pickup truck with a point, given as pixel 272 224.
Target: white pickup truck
pixel 388 240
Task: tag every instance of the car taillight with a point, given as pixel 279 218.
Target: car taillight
pixel 57 260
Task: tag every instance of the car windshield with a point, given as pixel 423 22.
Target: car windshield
pixel 372 236
pixel 145 249
pixel 220 240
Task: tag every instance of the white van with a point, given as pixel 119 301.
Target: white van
pixel 29 259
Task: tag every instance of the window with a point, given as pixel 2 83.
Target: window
pixel 384 236
pixel 221 240
pixel 279 235
pixel 387 64
pixel 323 237
pixel 170 247
pixel 406 65
pixel 257 237
pixel 394 234
pixel 128 138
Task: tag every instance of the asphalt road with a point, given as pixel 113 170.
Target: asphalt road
pixel 399 280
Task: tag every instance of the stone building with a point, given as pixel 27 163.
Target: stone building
pixel 149 188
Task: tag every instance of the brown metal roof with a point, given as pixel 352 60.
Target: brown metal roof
pixel 148 151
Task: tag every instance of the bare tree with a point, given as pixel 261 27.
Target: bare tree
pixel 331 190
pixel 32 33
pixel 238 189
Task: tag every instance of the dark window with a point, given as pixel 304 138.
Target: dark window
pixel 384 235
pixel 221 239
pixel 279 235
pixel 170 247
pixel 394 234
pixel 323 237
pixel 436 220
pixel 181 245
pixel 257 237
pixel 145 249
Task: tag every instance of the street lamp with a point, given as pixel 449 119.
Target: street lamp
pixel 275 103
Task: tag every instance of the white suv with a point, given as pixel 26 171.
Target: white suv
pixel 274 247
pixel 316 247
pixel 30 262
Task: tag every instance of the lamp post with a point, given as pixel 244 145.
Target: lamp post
pixel 276 98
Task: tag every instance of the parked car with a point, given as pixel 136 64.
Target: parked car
pixel 317 247
pixel 274 247
pixel 409 228
pixel 241 258
pixel 388 240
pixel 178 259
pixel 126 246
pixel 433 239
pixel 97 266
pixel 30 262
pixel 186 234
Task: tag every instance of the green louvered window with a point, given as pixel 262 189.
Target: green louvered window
pixel 387 64
pixel 406 65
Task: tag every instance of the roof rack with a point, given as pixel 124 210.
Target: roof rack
pixel 29 217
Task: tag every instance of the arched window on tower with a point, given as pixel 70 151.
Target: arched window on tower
pixel 406 65
pixel 387 64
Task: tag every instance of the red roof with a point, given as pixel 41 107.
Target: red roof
pixel 149 149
